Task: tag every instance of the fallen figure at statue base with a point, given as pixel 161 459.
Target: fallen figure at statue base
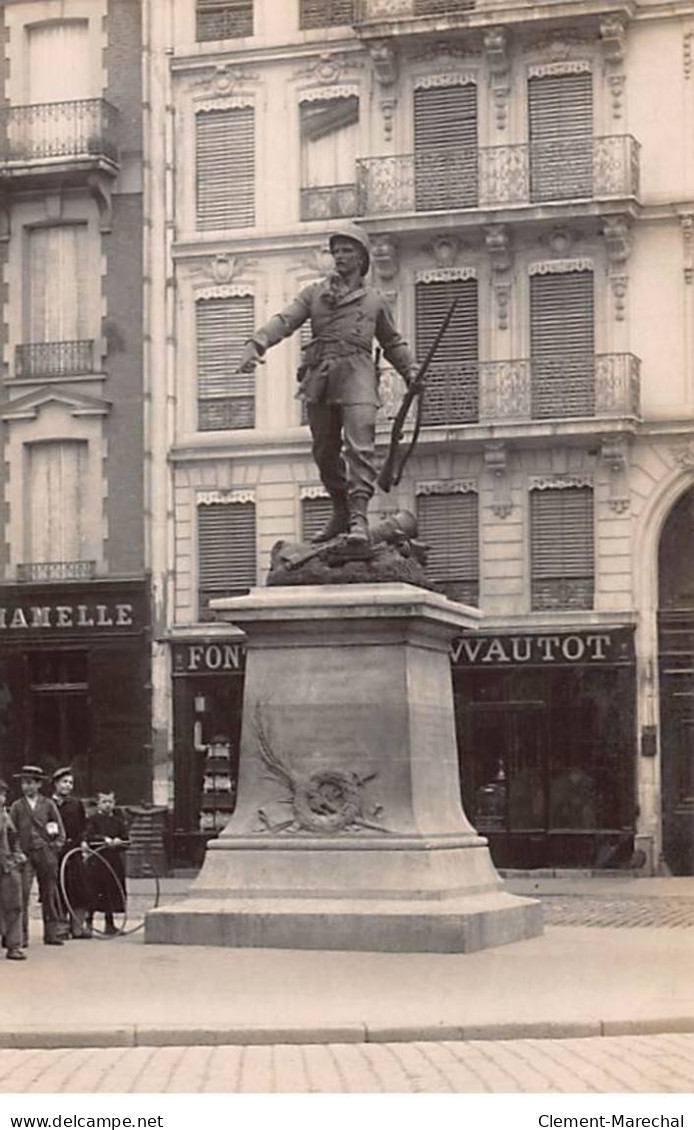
pixel 392 553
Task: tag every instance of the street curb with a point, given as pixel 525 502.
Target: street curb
pixel 144 1035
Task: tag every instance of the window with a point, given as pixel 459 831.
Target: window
pixel 57 322
pixel 315 513
pixel 226 399
pixel 223 19
pixel 452 385
pixel 561 548
pixel 56 482
pixel 445 147
pixel 448 524
pixel 562 345
pixel 226 550
pixel 325 13
pixel 67 41
pixel 225 168
pixel 560 130
pixel 329 137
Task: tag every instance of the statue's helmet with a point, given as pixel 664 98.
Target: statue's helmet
pixel 356 235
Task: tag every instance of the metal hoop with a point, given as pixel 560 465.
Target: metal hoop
pixel 96 853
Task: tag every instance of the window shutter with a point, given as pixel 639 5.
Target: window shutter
pixel 226 399
pixel 560 130
pixel 58 313
pixel 224 19
pixel 226 549
pixel 325 13
pixel 445 147
pixel 315 513
pixel 562 345
pixel 452 385
pixel 57 474
pixel 562 548
pixel 225 168
pixel 448 524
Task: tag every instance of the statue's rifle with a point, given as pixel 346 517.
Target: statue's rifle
pixel 391 471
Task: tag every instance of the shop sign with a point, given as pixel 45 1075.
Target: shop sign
pixel 61 617
pixel 206 658
pixel 589 648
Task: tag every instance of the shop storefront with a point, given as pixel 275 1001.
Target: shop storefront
pixel 547 741
pixel 74 683
pixel 207 703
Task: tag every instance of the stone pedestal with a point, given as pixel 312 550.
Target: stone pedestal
pixel 349 831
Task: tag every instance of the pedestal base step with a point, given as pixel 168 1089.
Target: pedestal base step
pixel 457 925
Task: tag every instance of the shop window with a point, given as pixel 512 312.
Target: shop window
pixel 329 130
pixel 55 512
pixel 452 383
pixel 562 344
pixel 325 13
pixel 226 398
pixel 225 168
pixel 315 512
pixel 59 711
pixel 562 548
pixel 560 130
pixel 226 550
pixel 448 524
pixel 223 19
pixel 445 146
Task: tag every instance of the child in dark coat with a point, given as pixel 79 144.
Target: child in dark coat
pixel 107 831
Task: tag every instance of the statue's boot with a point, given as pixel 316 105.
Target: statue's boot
pixel 358 521
pixel 338 522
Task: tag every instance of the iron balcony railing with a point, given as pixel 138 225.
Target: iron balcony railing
pixel 56 571
pixel 54 358
pixel 329 202
pixel 498 176
pixel 520 391
pixel 50 131
pixel 232 19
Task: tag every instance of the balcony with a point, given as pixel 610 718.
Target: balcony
pixel 602 386
pixel 56 571
pixel 329 202
pixel 54 359
pixel 56 135
pixel 500 176
pixel 415 15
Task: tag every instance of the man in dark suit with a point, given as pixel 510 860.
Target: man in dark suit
pixel 41 836
pixel 75 889
pixel 11 861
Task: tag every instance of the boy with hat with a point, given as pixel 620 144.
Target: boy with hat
pixel 74 820
pixel 41 837
pixel 11 861
pixel 338 376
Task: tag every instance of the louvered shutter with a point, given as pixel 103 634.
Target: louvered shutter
pixel 442 7
pixel 226 399
pixel 224 19
pixel 562 548
pixel 56 479
pixel 226 549
pixel 315 513
pixel 452 385
pixel 560 129
pixel 448 524
pixel 445 147
pixel 225 168
pixel 326 13
pixel 562 345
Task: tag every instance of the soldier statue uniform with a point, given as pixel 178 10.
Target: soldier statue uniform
pixel 338 378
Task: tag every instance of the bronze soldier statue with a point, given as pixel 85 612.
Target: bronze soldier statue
pixel 338 378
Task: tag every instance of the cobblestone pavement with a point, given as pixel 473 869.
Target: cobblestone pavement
pixel 641 1064
pixel 626 911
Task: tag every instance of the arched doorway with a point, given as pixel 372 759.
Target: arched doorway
pixel 676 660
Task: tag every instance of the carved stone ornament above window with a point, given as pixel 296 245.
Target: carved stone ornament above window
pixel 496 463
pixel 559 266
pixel 384 256
pixel 445 274
pixel 683 453
pixel 385 61
pixel 614 453
pixel 74 403
pixel 445 249
pixel 613 35
pixel 498 243
pixel 559 481
pixel 446 486
pixel 225 497
pixel 330 68
pixel 687 222
pixel 312 490
pixel 219 269
pixel 496 42
pixel 222 79
pixel 617 235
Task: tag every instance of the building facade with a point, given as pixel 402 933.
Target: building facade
pixel 74 598
pixel 513 155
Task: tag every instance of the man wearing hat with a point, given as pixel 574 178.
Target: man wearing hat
pixel 338 378
pixel 11 860
pixel 41 837
pixel 74 820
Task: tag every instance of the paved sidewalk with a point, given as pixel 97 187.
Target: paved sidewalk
pixel 574 981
